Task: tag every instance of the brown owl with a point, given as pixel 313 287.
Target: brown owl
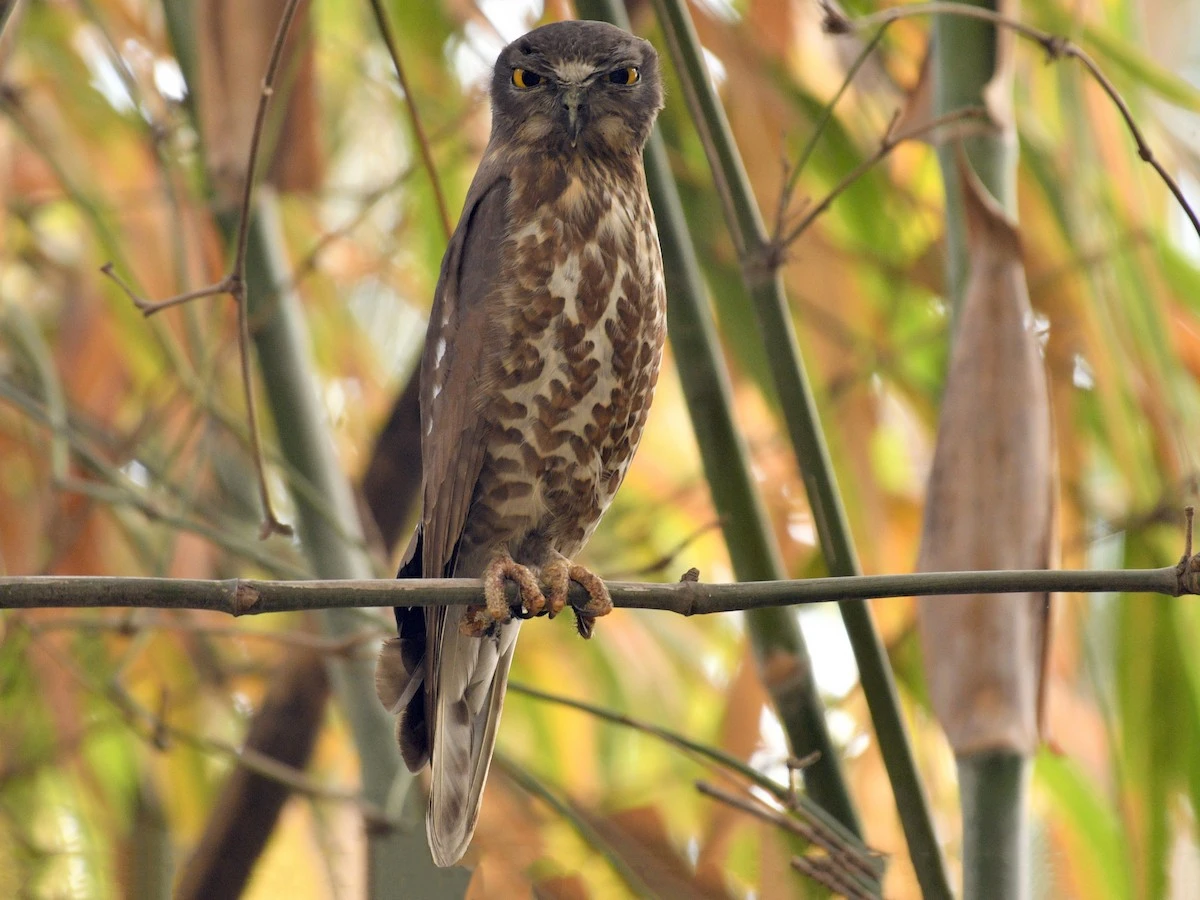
pixel 543 350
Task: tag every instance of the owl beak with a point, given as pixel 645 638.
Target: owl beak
pixel 575 108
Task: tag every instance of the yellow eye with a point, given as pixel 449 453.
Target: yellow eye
pixel 524 79
pixel 628 75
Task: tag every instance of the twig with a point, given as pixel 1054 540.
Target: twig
pixel 819 870
pixel 244 596
pixel 234 283
pixel 1056 47
pixel 857 870
pixel 889 143
pixel 835 832
pixel 666 559
pixel 793 175
pixel 385 31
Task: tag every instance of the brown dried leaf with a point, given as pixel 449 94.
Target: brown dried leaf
pixel 990 499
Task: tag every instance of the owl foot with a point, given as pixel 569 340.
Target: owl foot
pixel 558 575
pixel 481 621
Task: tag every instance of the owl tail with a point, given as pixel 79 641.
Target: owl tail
pixel 469 679
pixel 400 672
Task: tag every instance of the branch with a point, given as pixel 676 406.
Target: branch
pixel 758 258
pixel 833 831
pixel 792 171
pixel 248 596
pixel 889 142
pixel 234 283
pixel 851 872
pixel 1056 46
pixel 385 31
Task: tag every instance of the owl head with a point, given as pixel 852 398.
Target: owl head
pixel 576 88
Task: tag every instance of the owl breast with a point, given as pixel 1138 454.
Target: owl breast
pixel 567 392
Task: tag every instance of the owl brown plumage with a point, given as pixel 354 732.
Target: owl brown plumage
pixel 544 346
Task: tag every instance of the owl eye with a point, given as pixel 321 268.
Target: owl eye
pixel 627 75
pixel 524 79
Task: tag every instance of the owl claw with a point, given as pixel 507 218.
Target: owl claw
pixel 558 576
pixel 485 621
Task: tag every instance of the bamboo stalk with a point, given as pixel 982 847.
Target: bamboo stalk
pixel 968 68
pixel 764 281
pixel 331 535
pixel 774 634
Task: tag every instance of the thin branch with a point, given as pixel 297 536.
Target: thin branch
pixel 774 635
pixel 1056 46
pixel 234 283
pixel 665 560
pixel 245 596
pixel 854 872
pixel 794 171
pixel 889 143
pixel 838 836
pixel 385 31
pixel 819 870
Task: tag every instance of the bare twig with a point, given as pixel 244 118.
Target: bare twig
pixel 856 873
pixel 664 560
pixel 1056 47
pixel 385 31
pixel 794 171
pixel 234 283
pixel 835 833
pixel 820 870
pixel 889 143
pixel 243 596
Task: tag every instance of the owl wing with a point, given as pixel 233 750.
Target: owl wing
pixel 459 325
pixel 454 718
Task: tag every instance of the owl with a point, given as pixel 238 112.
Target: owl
pixel 540 362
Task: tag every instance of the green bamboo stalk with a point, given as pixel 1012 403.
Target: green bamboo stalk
pixel 994 785
pixel 753 549
pixel 994 791
pixel 330 532
pixel 764 282
pixel 964 62
pixel 399 861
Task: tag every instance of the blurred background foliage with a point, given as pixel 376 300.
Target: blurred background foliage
pixel 123 445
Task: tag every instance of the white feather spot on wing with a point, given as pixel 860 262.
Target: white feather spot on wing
pixel 438 352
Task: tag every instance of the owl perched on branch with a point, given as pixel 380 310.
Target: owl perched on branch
pixel 543 350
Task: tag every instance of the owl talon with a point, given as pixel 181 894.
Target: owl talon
pixel 484 621
pixel 558 576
